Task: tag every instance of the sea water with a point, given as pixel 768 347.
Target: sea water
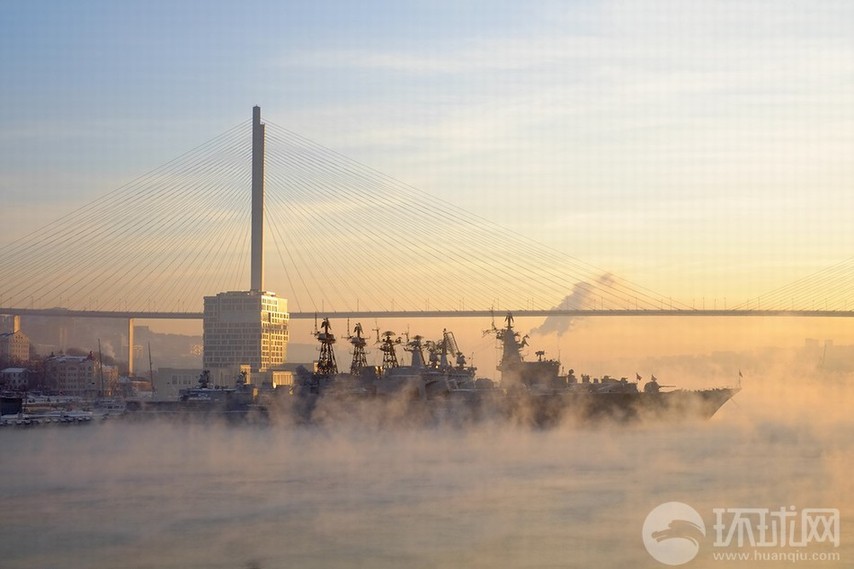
pixel 158 495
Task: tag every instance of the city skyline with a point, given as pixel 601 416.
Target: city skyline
pixel 697 152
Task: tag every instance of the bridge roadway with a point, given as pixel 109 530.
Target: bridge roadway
pixel 355 314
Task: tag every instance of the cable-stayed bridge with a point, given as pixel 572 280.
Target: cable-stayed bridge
pixel 342 239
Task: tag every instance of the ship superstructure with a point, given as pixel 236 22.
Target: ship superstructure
pixel 549 397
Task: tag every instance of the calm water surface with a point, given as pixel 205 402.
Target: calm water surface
pixel 164 496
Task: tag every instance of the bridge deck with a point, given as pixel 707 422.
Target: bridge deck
pixel 153 315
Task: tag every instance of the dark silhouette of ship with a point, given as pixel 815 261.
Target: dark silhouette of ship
pixel 437 383
pixel 442 385
pixel 537 388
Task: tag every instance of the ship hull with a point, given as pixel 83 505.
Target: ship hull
pixel 619 407
pixel 516 406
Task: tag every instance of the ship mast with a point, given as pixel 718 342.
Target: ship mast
pixel 326 364
pixel 387 348
pixel 150 369
pixel 511 356
pixel 360 359
pixel 415 347
pixel 101 369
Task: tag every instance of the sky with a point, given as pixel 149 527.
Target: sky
pixel 701 149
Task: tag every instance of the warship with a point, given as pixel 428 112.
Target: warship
pixel 444 387
pixel 536 389
pixel 439 386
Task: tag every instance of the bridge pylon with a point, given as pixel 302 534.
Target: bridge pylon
pixel 257 262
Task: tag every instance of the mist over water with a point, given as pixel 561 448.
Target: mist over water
pixel 351 494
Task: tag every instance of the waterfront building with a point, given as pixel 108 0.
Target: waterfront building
pixel 169 381
pixel 14 378
pixel 81 376
pixel 15 346
pixel 133 388
pixel 244 328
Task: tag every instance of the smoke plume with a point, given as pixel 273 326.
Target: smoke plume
pixel 582 297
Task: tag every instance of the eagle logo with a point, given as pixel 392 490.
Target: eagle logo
pixel 673 532
pixel 682 529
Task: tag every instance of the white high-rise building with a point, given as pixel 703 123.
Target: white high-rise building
pixel 247 331
pixel 245 328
